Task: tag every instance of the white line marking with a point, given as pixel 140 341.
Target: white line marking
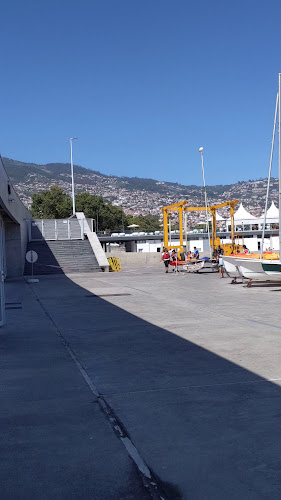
pixel 148 480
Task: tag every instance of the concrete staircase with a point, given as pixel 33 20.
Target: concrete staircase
pixel 58 257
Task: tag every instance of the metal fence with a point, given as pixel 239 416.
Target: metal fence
pixel 56 229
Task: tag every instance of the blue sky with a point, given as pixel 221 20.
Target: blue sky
pixel 142 84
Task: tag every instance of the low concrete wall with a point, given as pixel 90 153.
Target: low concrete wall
pixel 134 259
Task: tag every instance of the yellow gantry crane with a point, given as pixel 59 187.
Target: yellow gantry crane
pixel 176 207
pixel 215 241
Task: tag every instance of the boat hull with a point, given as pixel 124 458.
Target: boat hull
pixel 253 268
pixel 260 270
pixel 189 266
pixel 230 267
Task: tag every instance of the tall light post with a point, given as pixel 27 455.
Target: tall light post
pixel 72 175
pixel 205 191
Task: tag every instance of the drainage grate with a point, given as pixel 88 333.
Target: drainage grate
pixel 108 295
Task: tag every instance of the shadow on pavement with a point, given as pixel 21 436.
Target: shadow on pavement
pixel 205 426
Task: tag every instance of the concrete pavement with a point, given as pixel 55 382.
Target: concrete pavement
pixel 56 442
pixel 189 365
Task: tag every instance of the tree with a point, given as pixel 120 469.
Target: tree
pixel 108 216
pixel 111 218
pixel 89 204
pixel 145 222
pixel 203 226
pixel 53 203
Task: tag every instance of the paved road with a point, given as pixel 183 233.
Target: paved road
pixel 189 366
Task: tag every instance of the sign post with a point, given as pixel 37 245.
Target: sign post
pixel 31 257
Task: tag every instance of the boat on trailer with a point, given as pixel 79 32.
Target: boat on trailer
pixel 231 262
pixel 263 269
pixel 230 267
pixel 253 269
pixel 188 266
pixel 260 270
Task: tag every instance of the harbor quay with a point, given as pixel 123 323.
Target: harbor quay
pixel 140 384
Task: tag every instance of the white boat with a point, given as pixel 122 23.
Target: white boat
pixel 252 269
pixel 188 266
pixel 230 267
pixel 260 269
pixel 193 267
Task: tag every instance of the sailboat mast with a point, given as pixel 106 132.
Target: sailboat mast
pixel 206 201
pixel 269 174
pixel 279 160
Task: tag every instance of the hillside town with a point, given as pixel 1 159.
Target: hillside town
pixel 122 193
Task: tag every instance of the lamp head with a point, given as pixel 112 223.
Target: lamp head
pixel 201 150
pixel 72 138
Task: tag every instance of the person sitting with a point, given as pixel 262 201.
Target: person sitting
pixel 182 256
pixel 189 256
pixel 245 249
pixel 196 253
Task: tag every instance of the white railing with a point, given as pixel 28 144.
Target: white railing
pixel 56 229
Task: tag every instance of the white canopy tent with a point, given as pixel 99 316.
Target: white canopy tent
pixel 272 215
pixel 219 218
pixel 243 215
pixel 243 219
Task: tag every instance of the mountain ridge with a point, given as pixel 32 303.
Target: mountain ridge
pixel 135 194
pixel 12 164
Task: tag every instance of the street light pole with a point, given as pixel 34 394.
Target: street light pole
pixel 206 203
pixel 72 176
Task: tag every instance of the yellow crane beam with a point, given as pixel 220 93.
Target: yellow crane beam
pixel 175 207
pixel 213 209
pixel 181 207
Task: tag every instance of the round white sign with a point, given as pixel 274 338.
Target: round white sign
pixel 31 256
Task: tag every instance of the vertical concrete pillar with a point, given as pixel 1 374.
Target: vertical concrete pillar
pixel 131 246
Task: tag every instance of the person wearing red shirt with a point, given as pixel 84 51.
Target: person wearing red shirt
pixel 166 258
